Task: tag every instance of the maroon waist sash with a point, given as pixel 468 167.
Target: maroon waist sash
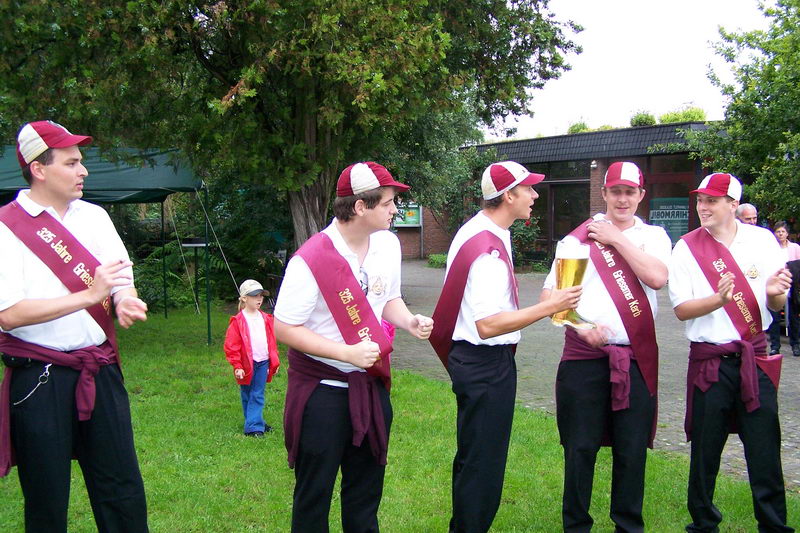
pixel 631 302
pixel 348 304
pixel 704 361
pixel 86 360
pixel 743 310
pixel 445 315
pixel 619 363
pixel 366 411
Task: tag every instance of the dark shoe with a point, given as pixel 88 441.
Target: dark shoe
pixel 796 350
pixel 255 434
pixel 774 352
pixel 267 428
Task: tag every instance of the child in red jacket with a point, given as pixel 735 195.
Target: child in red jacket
pixel 251 349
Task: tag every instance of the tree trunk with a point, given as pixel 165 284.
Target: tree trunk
pixel 309 205
pixel 309 208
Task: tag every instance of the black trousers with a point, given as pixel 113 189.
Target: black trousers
pixel 583 414
pixel 325 446
pixel 485 384
pixel 760 432
pixel 775 328
pixel 46 434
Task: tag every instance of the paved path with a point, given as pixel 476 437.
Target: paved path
pixel 539 352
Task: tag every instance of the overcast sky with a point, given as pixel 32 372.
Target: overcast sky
pixel 637 55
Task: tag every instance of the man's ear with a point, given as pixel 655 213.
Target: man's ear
pixel 359 208
pixel 37 171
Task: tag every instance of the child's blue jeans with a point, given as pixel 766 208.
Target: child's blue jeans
pixel 253 398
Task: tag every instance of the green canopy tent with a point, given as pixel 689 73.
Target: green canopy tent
pixel 155 176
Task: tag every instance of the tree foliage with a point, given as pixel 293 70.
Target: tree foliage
pixel 685 114
pixel 578 127
pixel 643 118
pixel 759 139
pixel 284 92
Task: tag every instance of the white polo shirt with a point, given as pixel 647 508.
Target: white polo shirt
pixel 488 289
pixel 596 304
pixel 758 255
pixel 300 301
pixel 24 276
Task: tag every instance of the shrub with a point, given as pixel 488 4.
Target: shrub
pixel 687 114
pixel 437 260
pixel 643 118
pixel 523 239
pixel 578 127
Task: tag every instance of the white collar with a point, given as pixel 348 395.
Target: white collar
pixel 341 246
pixel 35 209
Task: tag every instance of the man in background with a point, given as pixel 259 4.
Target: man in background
pixel 747 214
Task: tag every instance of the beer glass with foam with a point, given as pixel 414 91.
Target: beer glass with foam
pixel 571 259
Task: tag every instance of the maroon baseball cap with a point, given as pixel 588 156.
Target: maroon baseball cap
pixel 363 177
pixel 623 173
pixel 720 184
pixel 505 175
pixel 36 137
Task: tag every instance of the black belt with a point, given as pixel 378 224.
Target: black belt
pixel 16 362
pixel 734 355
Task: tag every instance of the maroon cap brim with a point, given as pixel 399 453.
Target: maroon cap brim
pixel 70 140
pixel 532 179
pixel 710 192
pixel 626 183
pixel 402 187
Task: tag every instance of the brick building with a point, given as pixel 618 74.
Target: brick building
pixel 574 166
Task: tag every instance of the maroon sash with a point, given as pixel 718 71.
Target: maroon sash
pixel 445 315
pixel 630 301
pixel 715 260
pixel 347 302
pixel 63 254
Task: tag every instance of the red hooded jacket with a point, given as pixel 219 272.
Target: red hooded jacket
pixel 239 352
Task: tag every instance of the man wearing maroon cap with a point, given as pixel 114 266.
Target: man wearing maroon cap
pixel 64 268
pixel 607 377
pixel 477 327
pixel 337 288
pixel 724 278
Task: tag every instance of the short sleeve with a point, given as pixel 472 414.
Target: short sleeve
pixel 298 294
pixel 395 262
pixel 550 280
pixel 680 276
pixel 659 245
pixel 485 299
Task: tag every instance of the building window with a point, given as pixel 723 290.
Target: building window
pixel 669 164
pixel 570 170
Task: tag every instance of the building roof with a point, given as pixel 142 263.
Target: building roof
pixel 622 142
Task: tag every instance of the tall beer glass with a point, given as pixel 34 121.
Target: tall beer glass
pixel 571 260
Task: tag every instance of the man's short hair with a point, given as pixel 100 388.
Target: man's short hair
pixel 45 158
pixel 743 207
pixel 494 203
pixel 344 206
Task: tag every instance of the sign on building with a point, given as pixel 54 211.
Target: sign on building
pixel 408 216
pixel 672 214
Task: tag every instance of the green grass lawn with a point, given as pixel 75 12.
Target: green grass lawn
pixel 202 475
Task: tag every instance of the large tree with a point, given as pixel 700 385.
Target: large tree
pixel 279 91
pixel 759 139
